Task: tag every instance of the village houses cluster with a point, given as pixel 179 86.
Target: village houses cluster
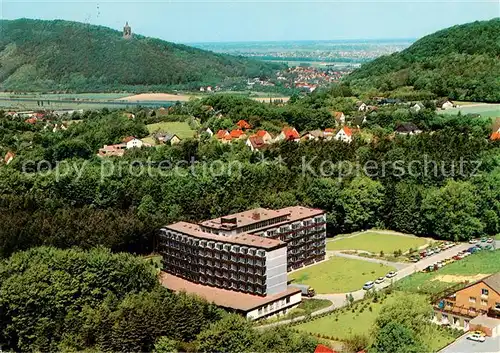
pixel 259 139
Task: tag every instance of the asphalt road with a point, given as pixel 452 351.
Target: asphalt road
pixel 339 299
pixel 463 345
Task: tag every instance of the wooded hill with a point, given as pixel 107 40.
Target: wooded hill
pixel 38 55
pixel 461 62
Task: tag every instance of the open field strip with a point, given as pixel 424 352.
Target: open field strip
pixel 375 242
pixel 339 275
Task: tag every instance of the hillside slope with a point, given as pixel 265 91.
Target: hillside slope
pixel 62 55
pixel 461 62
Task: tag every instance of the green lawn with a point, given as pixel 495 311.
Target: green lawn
pixel 344 324
pixel 179 128
pixel 485 110
pixel 339 275
pixel 375 242
pixel 312 305
pixel 484 262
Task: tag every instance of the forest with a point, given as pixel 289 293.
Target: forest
pixel 74 300
pixel 460 63
pixel 57 192
pixel 38 55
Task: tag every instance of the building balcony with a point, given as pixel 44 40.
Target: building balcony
pixel 457 310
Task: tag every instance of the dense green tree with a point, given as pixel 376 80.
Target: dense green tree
pixel 451 212
pixel 396 338
pixel 231 334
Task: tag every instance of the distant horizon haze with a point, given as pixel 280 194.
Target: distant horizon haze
pixel 207 21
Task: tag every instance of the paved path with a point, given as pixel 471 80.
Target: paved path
pixel 397 265
pixel 339 299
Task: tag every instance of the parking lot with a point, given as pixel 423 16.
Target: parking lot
pixel 463 345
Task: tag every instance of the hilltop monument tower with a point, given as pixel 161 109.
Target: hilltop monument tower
pixel 127 31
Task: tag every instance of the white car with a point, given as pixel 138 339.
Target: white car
pixel 380 280
pixel 476 337
pixel 391 274
pixel 473 241
pixel 368 285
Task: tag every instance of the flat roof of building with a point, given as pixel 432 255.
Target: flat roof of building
pixel 260 214
pixel 300 212
pixel 245 218
pixel 241 239
pixel 222 297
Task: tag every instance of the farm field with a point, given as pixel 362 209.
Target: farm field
pixel 344 324
pixel 339 275
pixel 76 96
pixel 374 242
pixel 470 269
pixel 181 129
pixel 484 109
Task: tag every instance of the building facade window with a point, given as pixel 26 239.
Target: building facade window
pixel 472 299
pixel 485 292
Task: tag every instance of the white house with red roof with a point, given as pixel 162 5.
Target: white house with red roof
pixel 132 142
pixel 288 134
pixel 344 134
pixel 266 136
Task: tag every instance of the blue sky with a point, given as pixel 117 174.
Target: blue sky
pixel 187 21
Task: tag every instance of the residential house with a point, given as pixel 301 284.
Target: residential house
pixel 339 118
pixel 221 134
pixel 206 131
pixel 112 150
pixel 344 134
pixel 476 306
pixel 362 107
pixel 237 134
pixel 417 107
pixel 359 120
pixel 31 121
pixel 9 157
pixel 132 142
pixel 255 143
pixel 447 105
pixel 266 136
pixel 288 134
pixel 313 135
pixel 243 125
pixel 171 139
pixel 329 134
pixel 495 136
pixel 320 348
pixel 408 129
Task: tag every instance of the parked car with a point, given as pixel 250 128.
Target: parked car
pixel 368 285
pixel 414 259
pixel 476 337
pixel 437 250
pixel 490 240
pixel 472 250
pixel 430 252
pixel 380 280
pixel 391 274
pixel 473 241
